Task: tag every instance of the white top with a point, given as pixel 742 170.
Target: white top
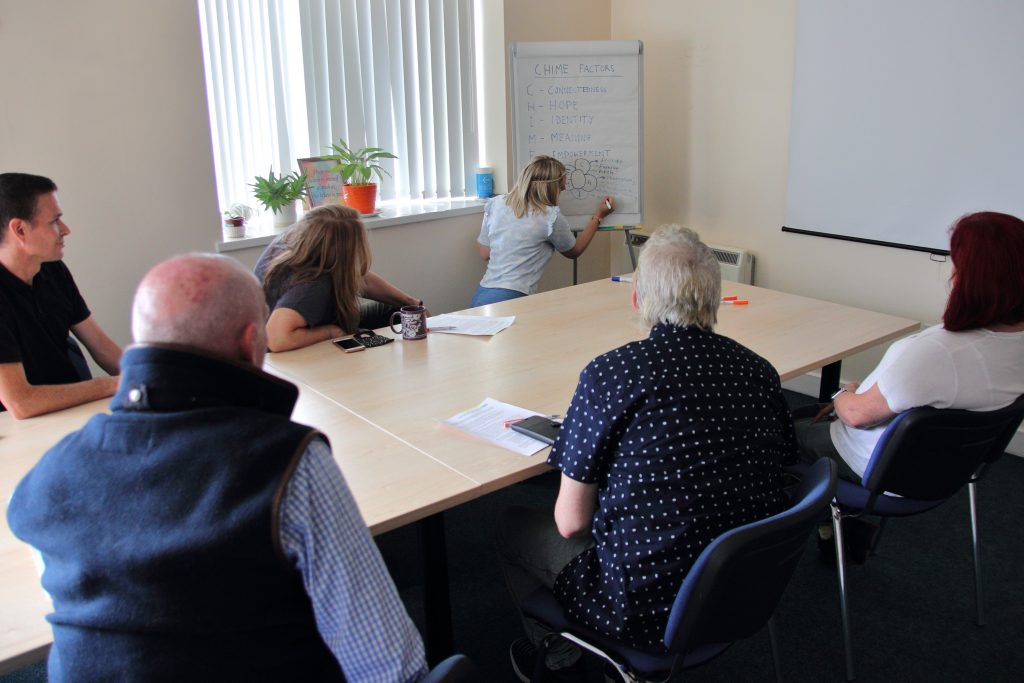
pixel 521 247
pixel 973 370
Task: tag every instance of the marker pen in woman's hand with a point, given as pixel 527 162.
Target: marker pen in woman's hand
pixel 608 204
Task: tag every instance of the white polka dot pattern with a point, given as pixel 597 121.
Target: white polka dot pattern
pixel 685 433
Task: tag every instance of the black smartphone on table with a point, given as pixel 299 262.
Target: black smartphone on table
pixel 539 427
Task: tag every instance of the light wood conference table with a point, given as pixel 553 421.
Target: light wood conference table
pixel 382 408
pixel 406 388
pixel 407 488
pixel 24 632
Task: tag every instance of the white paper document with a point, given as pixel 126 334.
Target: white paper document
pixel 483 325
pixel 488 421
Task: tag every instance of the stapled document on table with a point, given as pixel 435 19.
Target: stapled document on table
pixel 488 421
pixel 482 325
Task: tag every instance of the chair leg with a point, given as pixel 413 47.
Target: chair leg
pixel 775 650
pixel 878 537
pixel 972 490
pixel 837 534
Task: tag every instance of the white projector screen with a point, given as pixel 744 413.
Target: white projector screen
pixel 905 116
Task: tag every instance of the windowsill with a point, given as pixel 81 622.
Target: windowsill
pixel 262 232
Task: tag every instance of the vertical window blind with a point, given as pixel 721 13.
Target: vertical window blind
pixel 286 79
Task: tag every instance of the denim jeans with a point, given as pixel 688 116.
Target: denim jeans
pixel 492 295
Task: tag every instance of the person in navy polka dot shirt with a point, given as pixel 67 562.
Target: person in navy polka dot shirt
pixel 668 442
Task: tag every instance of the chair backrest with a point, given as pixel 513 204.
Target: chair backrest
pixel 731 591
pixel 930 453
pixel 77 359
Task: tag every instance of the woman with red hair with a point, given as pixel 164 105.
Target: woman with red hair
pixel 973 360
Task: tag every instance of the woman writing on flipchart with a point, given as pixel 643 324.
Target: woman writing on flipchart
pixel 521 230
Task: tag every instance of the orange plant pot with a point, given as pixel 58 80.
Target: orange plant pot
pixel 362 198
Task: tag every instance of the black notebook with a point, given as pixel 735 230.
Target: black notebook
pixel 539 427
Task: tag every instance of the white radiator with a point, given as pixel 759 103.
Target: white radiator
pixel 737 264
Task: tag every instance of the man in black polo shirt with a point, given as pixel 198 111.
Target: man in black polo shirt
pixel 41 368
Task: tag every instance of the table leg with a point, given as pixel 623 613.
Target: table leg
pixel 436 601
pixel 630 248
pixel 829 381
pixel 575 279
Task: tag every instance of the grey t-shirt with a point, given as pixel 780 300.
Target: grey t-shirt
pixel 314 300
pixel 521 247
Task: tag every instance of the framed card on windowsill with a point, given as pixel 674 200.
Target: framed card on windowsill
pixel 323 184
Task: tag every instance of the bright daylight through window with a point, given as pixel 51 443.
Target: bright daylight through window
pixel 286 79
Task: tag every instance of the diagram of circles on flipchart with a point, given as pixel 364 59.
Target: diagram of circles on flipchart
pixel 581 177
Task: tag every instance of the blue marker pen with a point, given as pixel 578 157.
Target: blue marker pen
pixel 621 278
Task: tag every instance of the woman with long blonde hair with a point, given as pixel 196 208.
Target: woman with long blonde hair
pixel 318 282
pixel 522 229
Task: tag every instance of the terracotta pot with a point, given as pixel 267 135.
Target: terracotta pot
pixel 362 198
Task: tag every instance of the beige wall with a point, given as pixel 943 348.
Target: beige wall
pixel 108 99
pixel 718 81
pixel 559 20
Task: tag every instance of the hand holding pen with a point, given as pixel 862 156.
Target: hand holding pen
pixel 606 207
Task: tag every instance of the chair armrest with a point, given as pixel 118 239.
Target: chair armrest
pixel 455 669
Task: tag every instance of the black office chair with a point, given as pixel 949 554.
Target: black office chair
pixel 455 669
pixel 77 358
pixel 924 456
pixel 730 592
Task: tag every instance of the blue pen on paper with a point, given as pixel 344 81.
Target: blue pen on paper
pixel 621 278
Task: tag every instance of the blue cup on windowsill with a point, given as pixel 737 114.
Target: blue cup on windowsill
pixel 484 182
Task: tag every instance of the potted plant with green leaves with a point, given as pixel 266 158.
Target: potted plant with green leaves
pixel 235 217
pixel 278 194
pixel 357 168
